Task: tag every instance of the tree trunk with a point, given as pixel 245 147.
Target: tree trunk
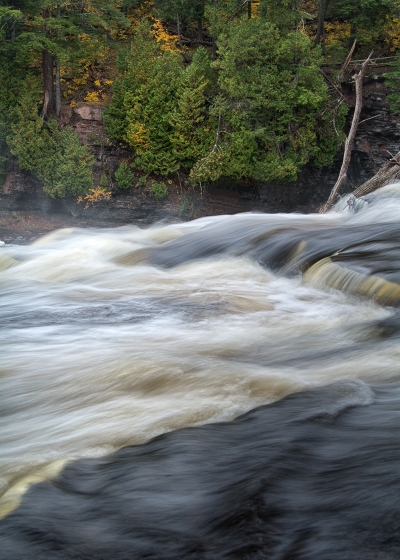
pixel 348 58
pixel 58 89
pixel 47 68
pixel 249 9
pixel 200 29
pixel 58 75
pixel 320 37
pixel 48 97
pixel 358 79
pixel 390 172
pixel 178 25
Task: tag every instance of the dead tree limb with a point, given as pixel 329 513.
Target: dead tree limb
pixel 358 79
pixel 387 174
pixel 349 57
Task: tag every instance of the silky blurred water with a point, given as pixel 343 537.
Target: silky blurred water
pixel 100 352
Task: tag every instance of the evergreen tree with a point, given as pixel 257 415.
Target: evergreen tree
pixel 151 82
pixel 366 20
pixel 192 129
pixel 55 157
pixel 272 94
pixel 136 69
pixel 282 13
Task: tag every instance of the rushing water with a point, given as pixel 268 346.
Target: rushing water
pixel 112 337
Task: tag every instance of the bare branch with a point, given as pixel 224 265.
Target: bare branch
pixel 215 143
pixel 348 58
pixel 369 118
pixel 358 79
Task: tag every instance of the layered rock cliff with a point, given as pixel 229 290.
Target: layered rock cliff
pixel 378 137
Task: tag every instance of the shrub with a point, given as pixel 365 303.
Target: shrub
pixel 69 169
pixel 123 176
pixel 94 195
pixel 55 156
pixel 104 181
pixel 160 190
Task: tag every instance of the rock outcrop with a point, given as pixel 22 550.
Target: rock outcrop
pixel 377 138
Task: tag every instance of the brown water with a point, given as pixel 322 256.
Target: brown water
pixel 111 337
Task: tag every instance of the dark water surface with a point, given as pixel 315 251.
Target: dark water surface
pixel 288 323
pixel 315 475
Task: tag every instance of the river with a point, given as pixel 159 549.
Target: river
pixel 112 337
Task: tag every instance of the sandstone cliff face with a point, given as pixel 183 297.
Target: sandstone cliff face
pixel 378 136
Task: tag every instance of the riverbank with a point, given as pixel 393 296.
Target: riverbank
pixel 26 215
pixel 26 212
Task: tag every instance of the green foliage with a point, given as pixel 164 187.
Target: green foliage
pixel 186 10
pixel 104 182
pixel 393 82
pixel 159 108
pixel 114 116
pixel 15 71
pixel 123 176
pixel 56 157
pixel 69 171
pixel 365 19
pixel 330 124
pixel 192 128
pixel 282 13
pixel 139 112
pixel 363 14
pixel 73 34
pixel 137 68
pixel 220 14
pixel 142 181
pixel 160 190
pixel 271 95
pixel 260 111
pixel 147 114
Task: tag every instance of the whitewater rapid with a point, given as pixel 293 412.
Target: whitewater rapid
pixel 106 346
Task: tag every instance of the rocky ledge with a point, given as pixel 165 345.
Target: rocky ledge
pixel 23 200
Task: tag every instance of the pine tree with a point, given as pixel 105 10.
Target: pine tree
pixel 192 131
pixel 136 70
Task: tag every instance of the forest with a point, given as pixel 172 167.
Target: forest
pixel 213 89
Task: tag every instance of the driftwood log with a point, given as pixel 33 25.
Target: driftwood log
pixel 388 173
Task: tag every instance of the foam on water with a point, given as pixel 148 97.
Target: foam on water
pixel 98 354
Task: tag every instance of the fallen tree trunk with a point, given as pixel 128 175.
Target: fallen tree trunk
pixel 387 174
pixel 358 79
